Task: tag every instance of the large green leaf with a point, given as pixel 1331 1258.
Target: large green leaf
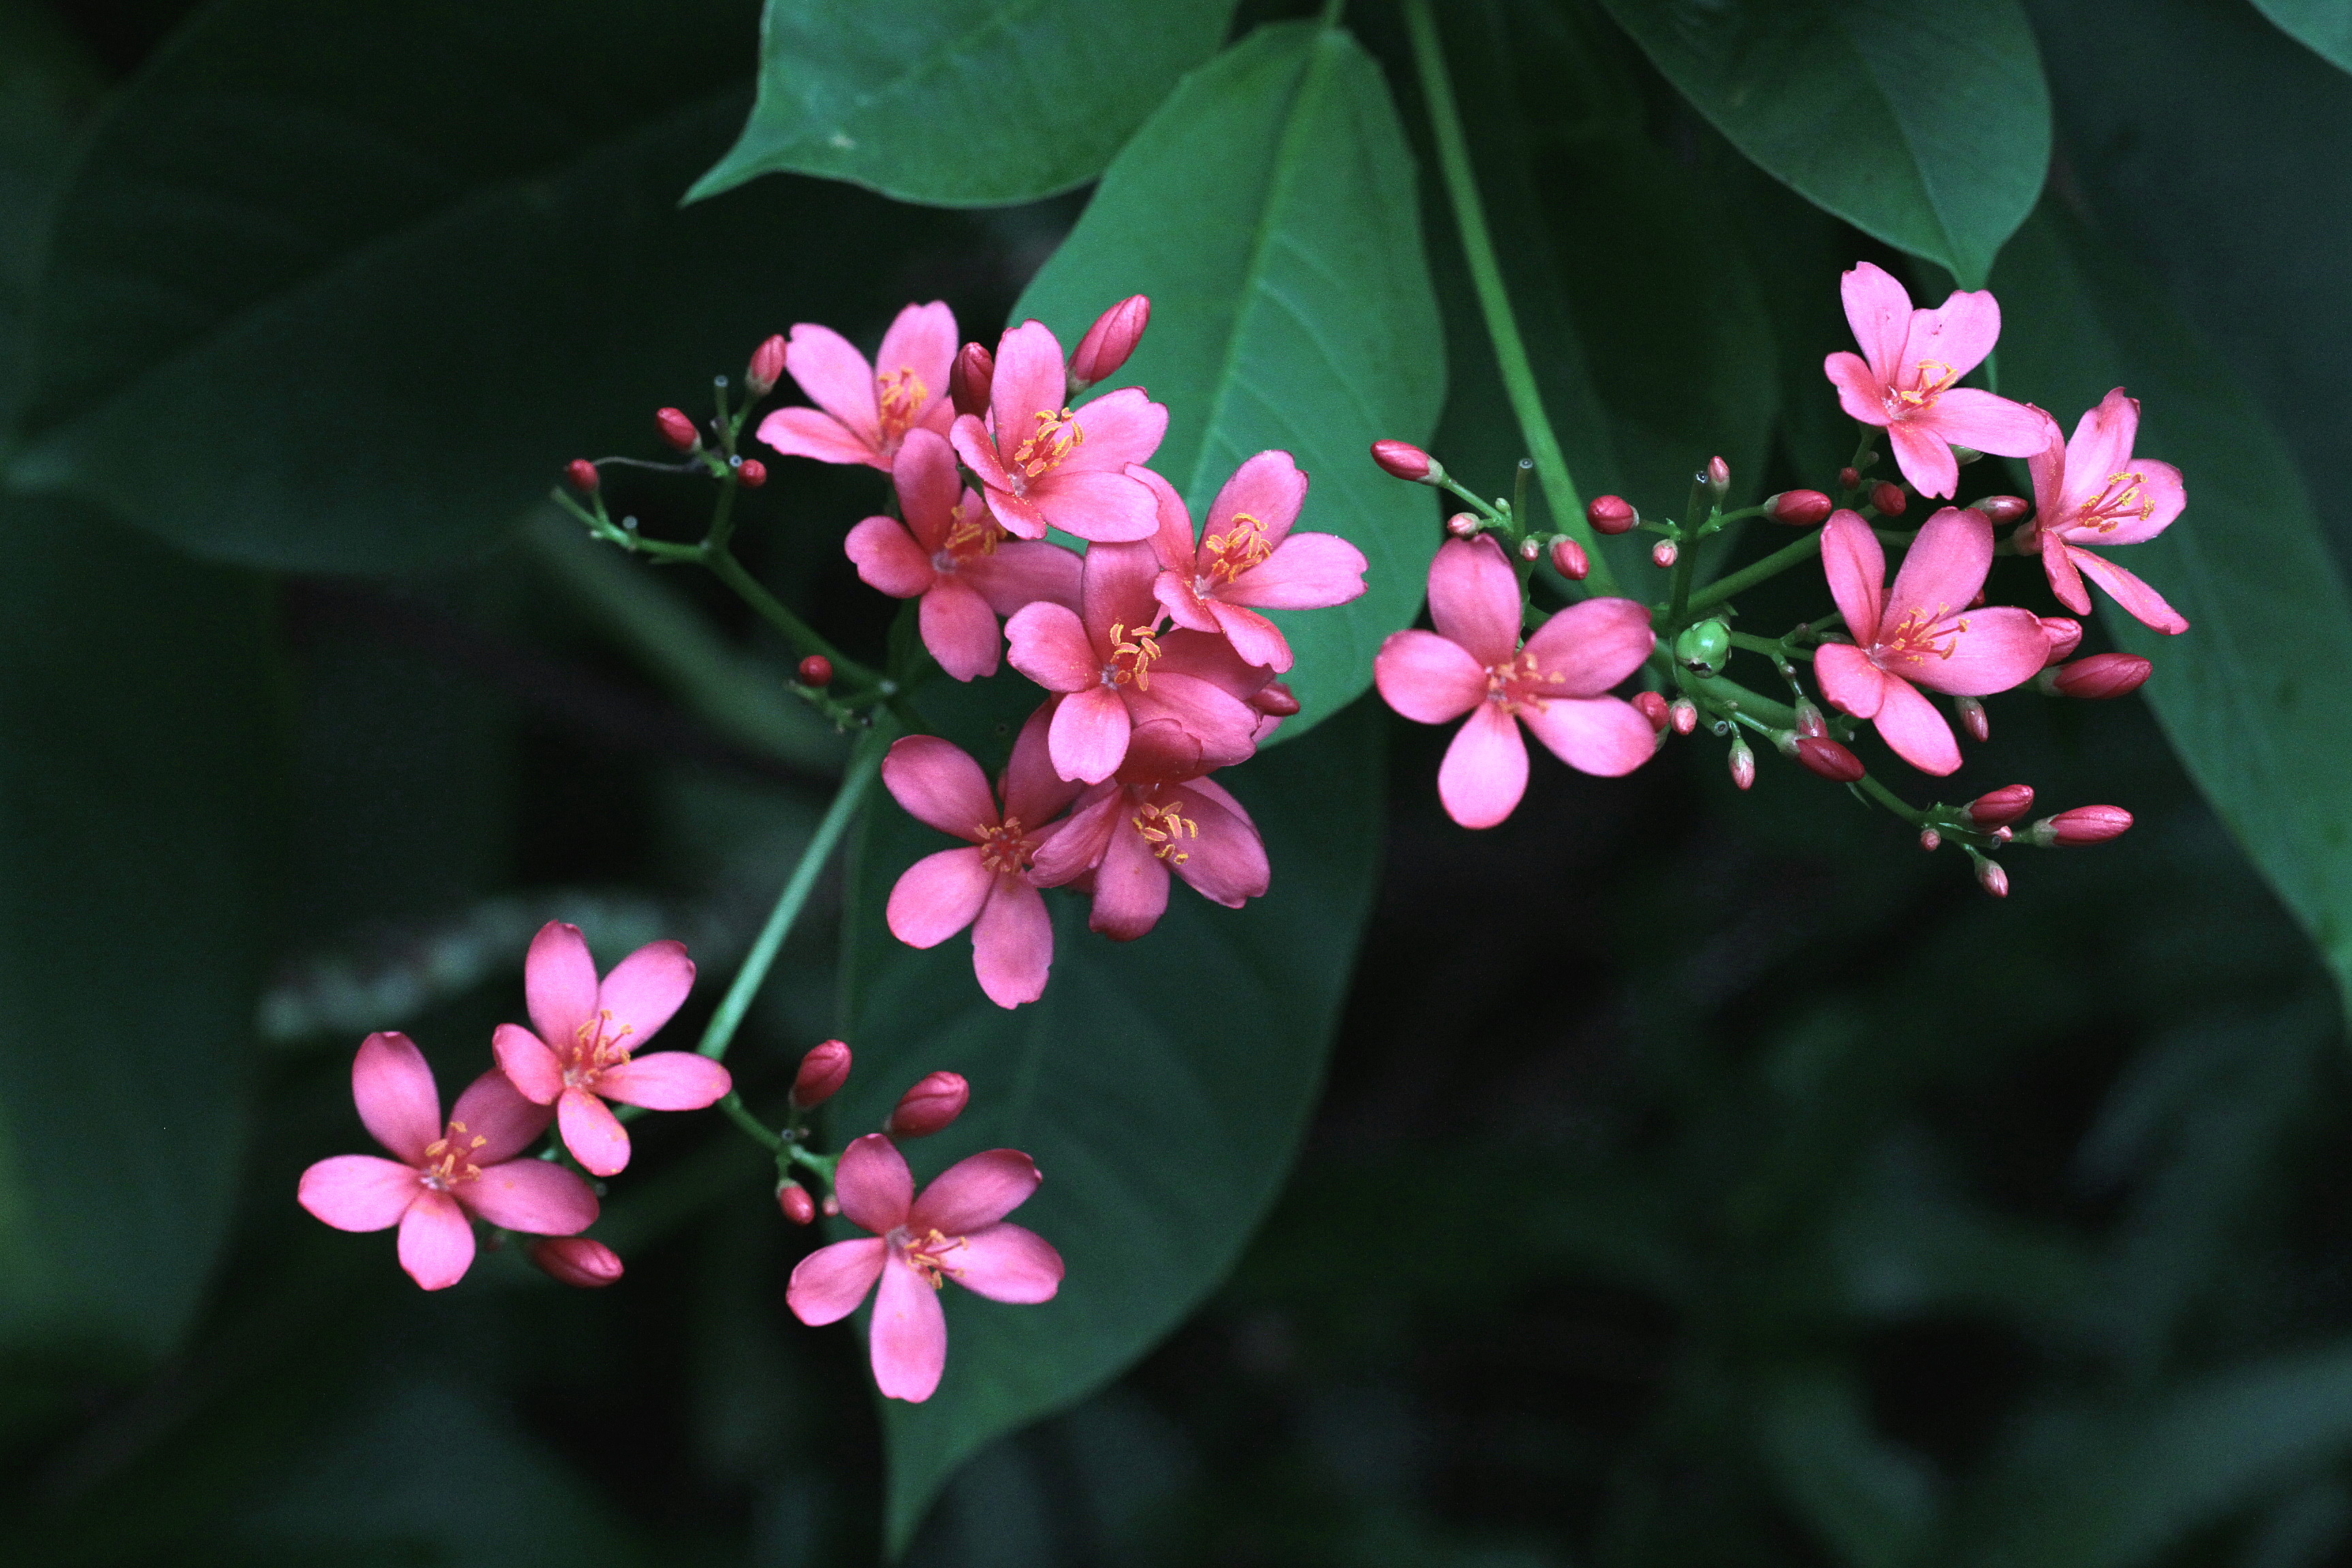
pixel 1269 209
pixel 960 103
pixel 2252 696
pixel 139 780
pixel 1927 126
pixel 2325 25
pixel 1162 1085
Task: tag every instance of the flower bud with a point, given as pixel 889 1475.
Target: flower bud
pixel 1887 497
pixel 1610 514
pixel 2083 824
pixel 823 1072
pixel 816 671
pixel 969 378
pixel 830 1208
pixel 930 1106
pixel 753 472
pixel 1848 479
pixel 1703 648
pixel 2065 634
pixel 2102 675
pixel 767 367
pixel 1110 341
pixel 794 1200
pixel 1718 477
pixel 1972 719
pixel 1462 525
pixel 1683 715
pixel 1568 559
pixel 676 429
pixel 1820 755
pixel 1652 706
pixel 1930 840
pixel 2004 805
pixel 575 1260
pixel 1664 553
pixel 1529 550
pixel 1798 509
pixel 1403 460
pixel 1810 721
pixel 2003 509
pixel 582 475
pixel 1992 879
pixel 2003 834
pixel 1743 764
pixel 1275 701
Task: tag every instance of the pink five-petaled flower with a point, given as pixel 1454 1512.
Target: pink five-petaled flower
pixel 1109 659
pixel 2092 490
pixel 955 1230
pixel 986 886
pixel 864 411
pixel 952 552
pixel 578 1052
pixel 1041 464
pixel 1248 560
pixel 1920 632
pixel 1556 685
pixel 1903 379
pixel 441 1174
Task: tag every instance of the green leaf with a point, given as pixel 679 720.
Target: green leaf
pixel 1161 1085
pixel 1269 210
pixel 2323 25
pixel 1873 1501
pixel 47 87
pixel 957 103
pixel 2251 697
pixel 1927 126
pixel 142 705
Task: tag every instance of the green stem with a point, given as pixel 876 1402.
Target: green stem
pixel 760 1133
pixel 1494 301
pixel 729 571
pixel 865 766
pixel 1771 647
pixel 1747 577
pixel 1891 801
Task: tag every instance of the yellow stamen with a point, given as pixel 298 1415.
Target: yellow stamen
pixel 1165 827
pixel 1130 658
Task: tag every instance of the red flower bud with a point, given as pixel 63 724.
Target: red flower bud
pixel 1820 755
pixel 1652 707
pixel 1610 514
pixel 930 1106
pixel 1462 525
pixel 1992 879
pixel 2083 824
pixel 2003 509
pixel 676 429
pixel 767 367
pixel 576 1260
pixel 2102 675
pixel 1849 478
pixel 823 1072
pixel 1529 550
pixel 816 671
pixel 1568 559
pixel 830 1208
pixel 2006 804
pixel 969 378
pixel 1662 554
pixel 1887 497
pixel 1683 715
pixel 1110 339
pixel 1930 840
pixel 582 475
pixel 753 472
pixel 1718 474
pixel 1973 719
pixel 1743 764
pixel 1810 721
pixel 2065 636
pixel 1402 459
pixel 797 1206
pixel 1275 701
pixel 1798 509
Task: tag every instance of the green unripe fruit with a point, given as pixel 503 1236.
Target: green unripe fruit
pixel 1703 648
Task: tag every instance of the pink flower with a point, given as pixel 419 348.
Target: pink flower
pixel 1920 632
pixel 955 1230
pixel 1247 559
pixel 1041 464
pixel 1556 685
pixel 2092 490
pixel 440 1175
pixel 953 552
pixel 1904 377
pixel 1109 660
pixel 576 1055
pixel 867 409
pixel 988 886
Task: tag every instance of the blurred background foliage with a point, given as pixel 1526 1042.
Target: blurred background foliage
pixel 1696 1177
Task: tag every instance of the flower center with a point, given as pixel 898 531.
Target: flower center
pixel 1914 636
pixel 1933 377
pixel 1056 436
pixel 1130 658
pixel 968 536
pixel 596 1046
pixel 1517 684
pixel 928 1255
pixel 445 1165
pixel 901 393
pixel 1242 546
pixel 2122 498
pixel 1165 828
pixel 1005 849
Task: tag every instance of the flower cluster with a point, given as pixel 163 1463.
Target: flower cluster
pixel 1890 644
pixel 1159 666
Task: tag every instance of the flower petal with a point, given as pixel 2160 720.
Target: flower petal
pixel 1860 392
pixel 1033 791
pixel 908 1341
pixel 1253 636
pixel 2160 488
pixel 1008 1263
pixel 929 488
pixel 1083 841
pixel 1955 336
pixel 1849 682
pixel 530 1196
pixel 666 1080
pixel 1968 417
pixel 1049 645
pixel 1121 428
pixel 1089 732
pixel 1029 380
pixel 828 1284
pixel 2142 602
pixel 1486 768
pixel 559 983
pixel 1268 487
pixel 960 629
pixel 1130 882
pixel 1181 600
pixel 809 433
pixel 2058 563
pixel 1012 943
pixel 392 1088
pixel 495 1111
pixel 974 443
pixel 939 786
pixel 2001 647
pixel 938 896
pixel 1910 725
pixel 887 559
pixel 436 1241
pixel 873 1183
pixel 1171 541
pixel 1223 725
pixel 921 342
pixel 646 989
pixel 1592 645
pixel 1604 736
pixel 1878 309
pixel 1306 572
pixel 359 1192
pixel 1474 598
pixel 1944 569
pixel 1855 564
pixel 1107 508
pixel 1226 862
pixel 1022 572
pixel 836 377
pixel 1925 458
pixel 977 1190
pixel 1427 677
pixel 589 1130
